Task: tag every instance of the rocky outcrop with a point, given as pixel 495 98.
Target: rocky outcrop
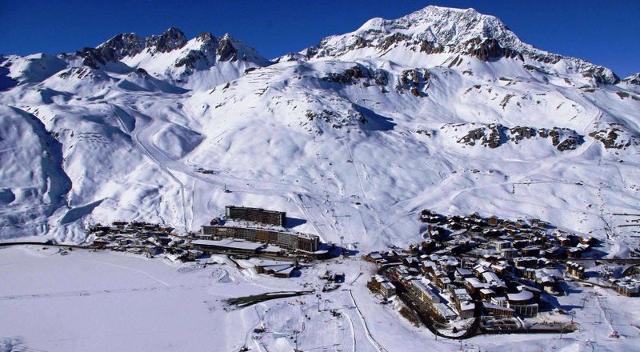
pixel 91 57
pixel 490 50
pixel 226 51
pixel 615 136
pixel 430 47
pixel 201 58
pixel 496 135
pixel 415 81
pixel 601 75
pixel 289 57
pixel 358 73
pixel 491 135
pixel 335 119
pixel 563 138
pixel 392 40
pixel 83 72
pixel 633 79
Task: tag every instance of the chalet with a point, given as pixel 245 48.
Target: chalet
pixel 496 310
pixel 501 245
pixel 474 285
pixel 487 293
pixel 574 252
pixel 526 262
pixel 387 289
pixel 466 309
pixel 530 251
pixel 510 253
pixel 628 287
pixel 463 273
pixel 411 262
pixel 575 270
pixel 375 257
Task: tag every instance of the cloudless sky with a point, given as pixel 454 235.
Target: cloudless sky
pixel 603 32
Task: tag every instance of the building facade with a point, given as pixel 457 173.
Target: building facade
pixel 286 240
pixel 260 215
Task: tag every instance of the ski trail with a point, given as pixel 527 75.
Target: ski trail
pixel 298 200
pixel 370 337
pixel 146 150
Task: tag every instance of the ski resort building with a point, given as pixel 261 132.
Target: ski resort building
pixel 270 217
pixel 286 240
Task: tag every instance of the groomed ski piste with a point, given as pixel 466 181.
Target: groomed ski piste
pixel 355 159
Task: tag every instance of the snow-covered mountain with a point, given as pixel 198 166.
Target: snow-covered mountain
pixel 437 30
pixel 443 108
pixel 132 59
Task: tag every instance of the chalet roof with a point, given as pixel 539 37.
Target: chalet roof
pixel 464 272
pixel 427 289
pixel 466 306
pixel 475 283
pixel 487 291
pixel 387 285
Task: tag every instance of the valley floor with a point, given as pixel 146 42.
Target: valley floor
pixel 103 301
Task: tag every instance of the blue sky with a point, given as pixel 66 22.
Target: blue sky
pixel 603 32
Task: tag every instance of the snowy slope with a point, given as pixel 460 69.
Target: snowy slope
pixel 442 108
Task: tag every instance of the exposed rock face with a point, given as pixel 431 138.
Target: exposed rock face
pixel 431 48
pixel 519 133
pixel 91 57
pixel 226 51
pixel 415 80
pixel 191 59
pixel 358 73
pixel 202 58
pixel 289 57
pixel 114 49
pixel 615 136
pixel 205 51
pixel 496 135
pixel 84 73
pixel 565 138
pixel 492 136
pixel 392 40
pixel 123 44
pixel 172 39
pixel 490 49
pixel 633 79
pixel 601 75
pixel 130 44
pixel 335 119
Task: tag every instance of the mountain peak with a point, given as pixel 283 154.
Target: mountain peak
pixel 121 45
pixel 172 38
pixel 449 29
pixel 633 79
pixel 436 30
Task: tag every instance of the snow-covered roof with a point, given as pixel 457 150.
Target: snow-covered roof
pixel 521 296
pixel 229 243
